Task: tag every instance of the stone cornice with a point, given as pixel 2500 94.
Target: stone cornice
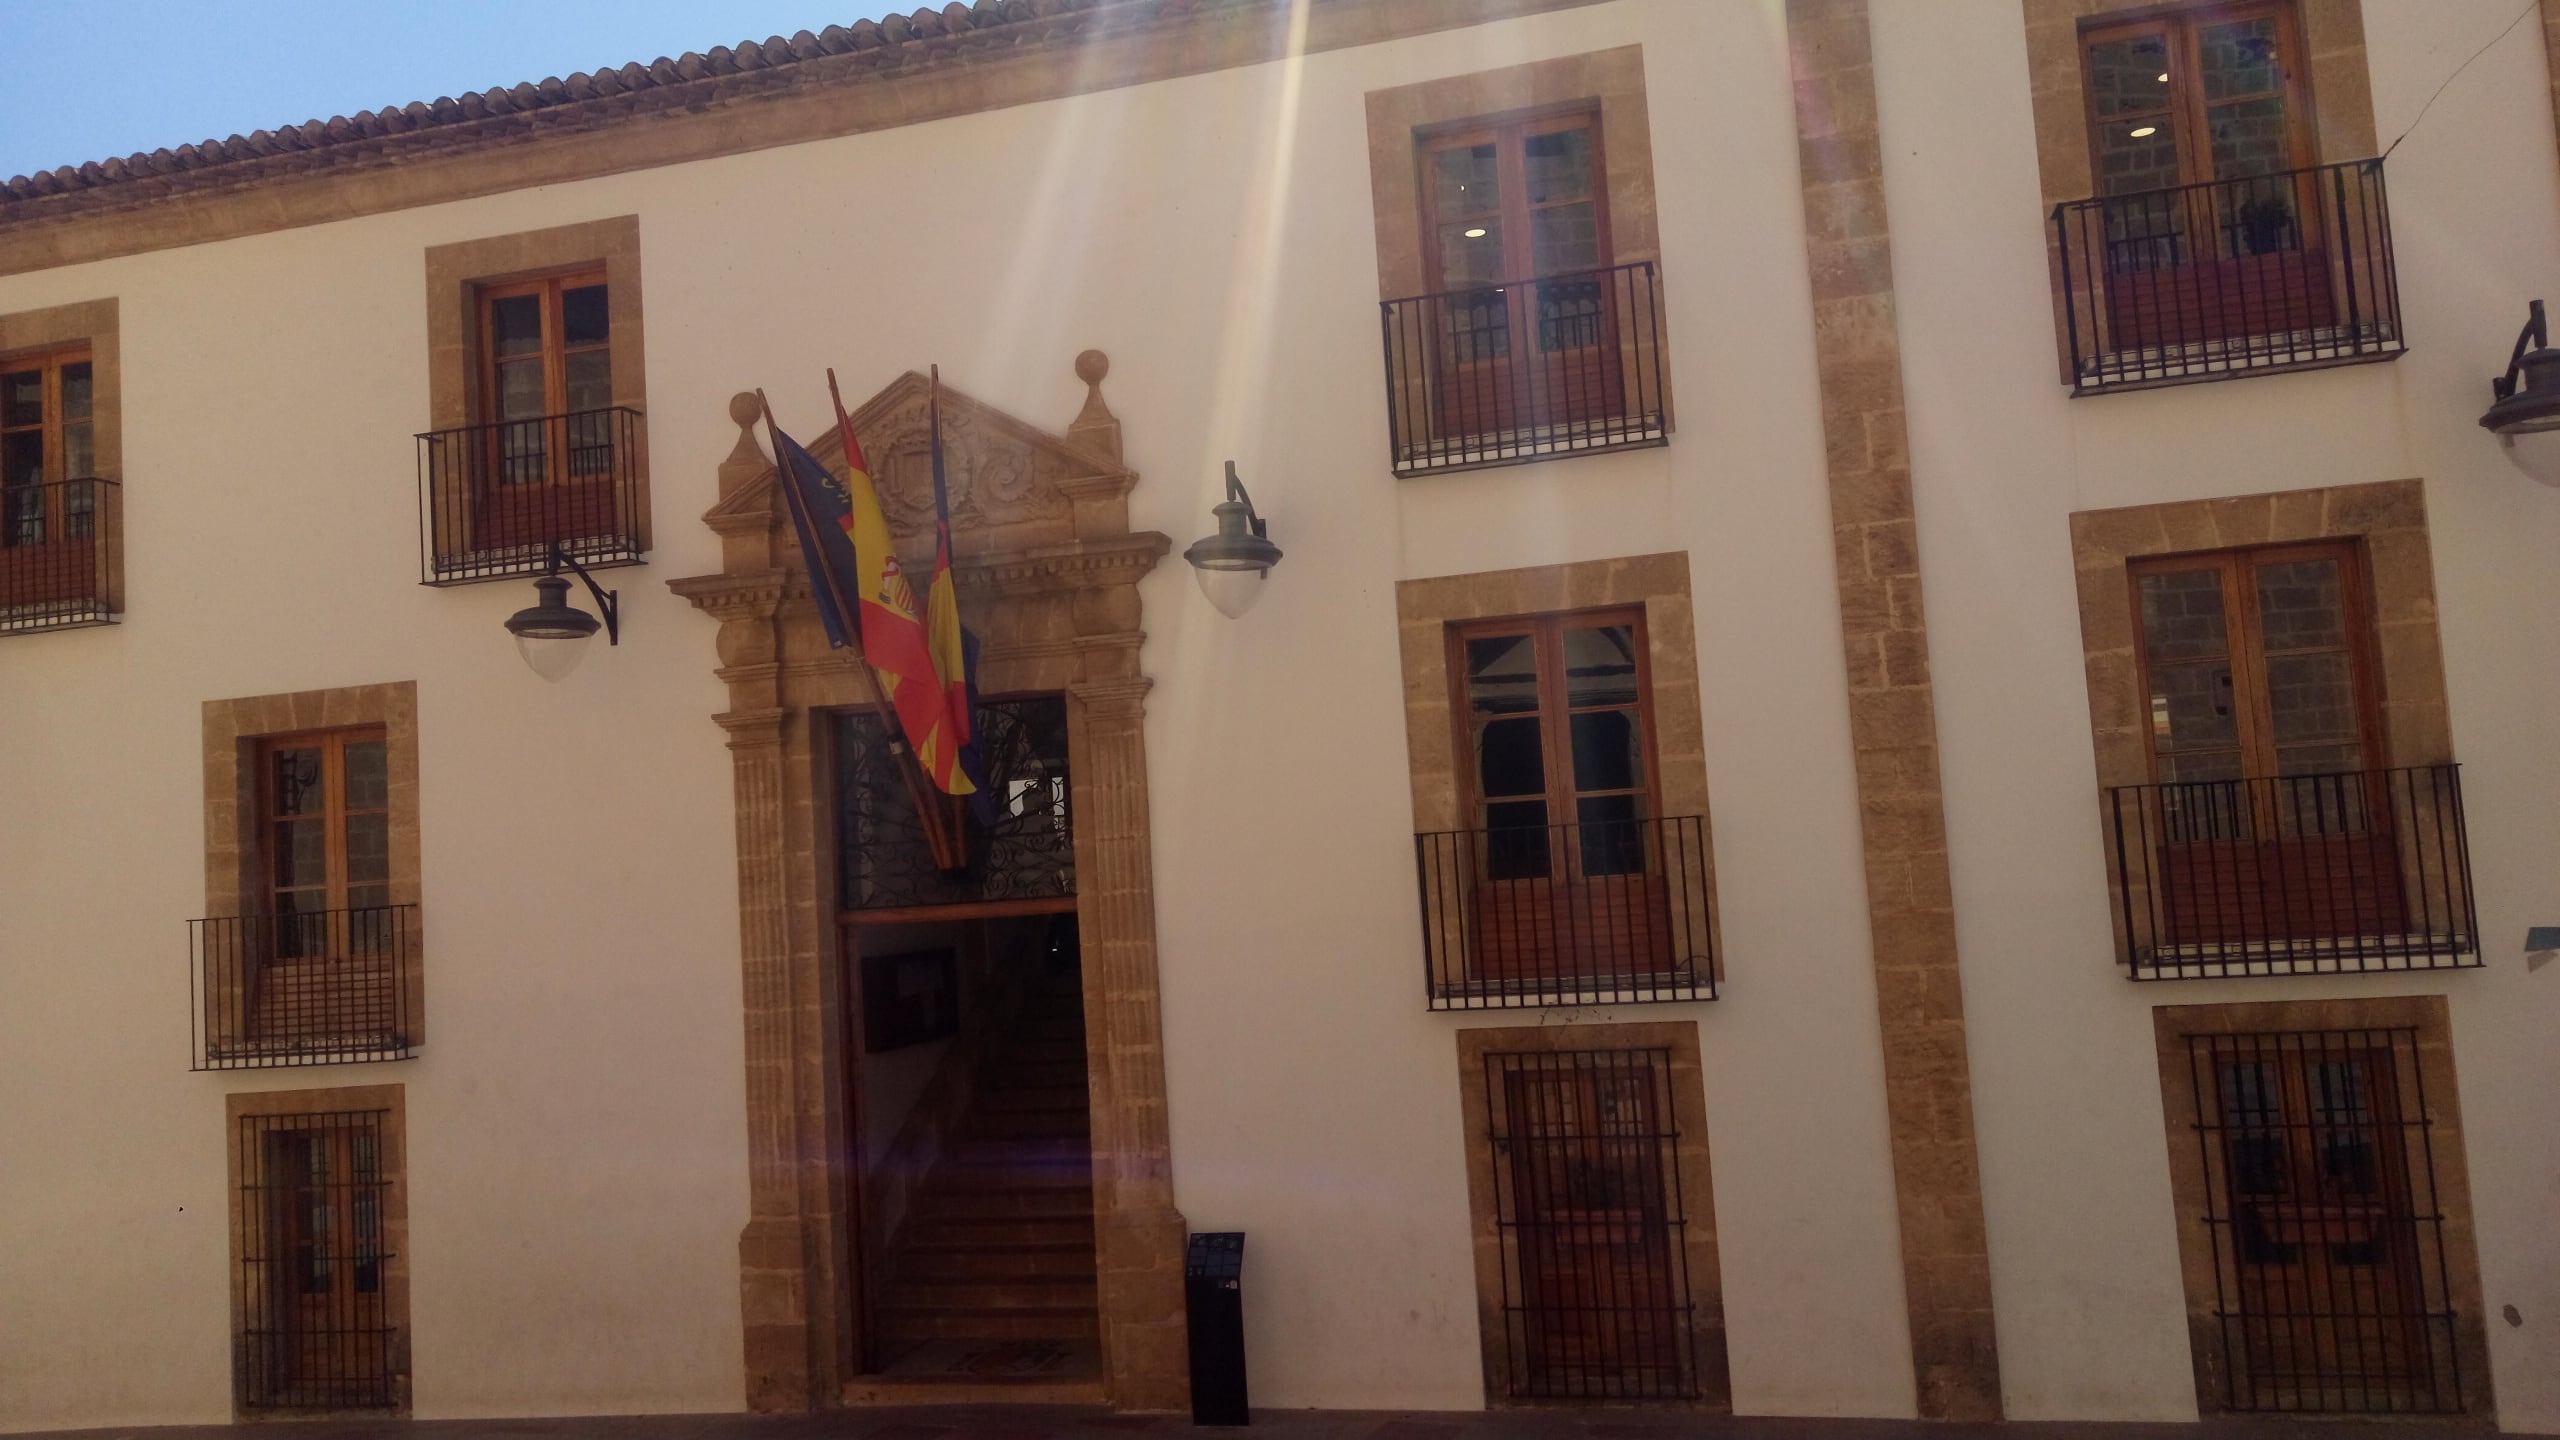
pixel 902 71
pixel 1047 569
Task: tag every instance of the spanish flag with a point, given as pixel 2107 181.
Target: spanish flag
pixel 944 636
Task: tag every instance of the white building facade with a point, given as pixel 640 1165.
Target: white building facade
pixel 2101 994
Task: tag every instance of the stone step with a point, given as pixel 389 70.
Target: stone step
pixel 1001 1295
pixel 1014 1098
pixel 933 1263
pixel 1066 1322
pixel 942 1231
pixel 1006 1076
pixel 1012 1202
pixel 1060 1124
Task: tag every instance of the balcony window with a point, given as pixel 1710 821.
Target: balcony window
pixel 1570 881
pixel 56 515
pixel 2274 839
pixel 536 402
pixel 2216 242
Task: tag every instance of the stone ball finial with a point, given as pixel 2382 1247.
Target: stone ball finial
pixel 745 408
pixel 1091 366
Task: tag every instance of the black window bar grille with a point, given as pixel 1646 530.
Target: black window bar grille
pixel 2293 875
pixel 2331 1288
pixel 1593 1231
pixel 314 987
pixel 58 544
pixel 1609 912
pixel 494 498
pixel 315 1264
pixel 1020 845
pixel 2247 275
pixel 1528 370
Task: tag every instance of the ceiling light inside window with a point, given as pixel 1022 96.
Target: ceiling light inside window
pixel 2143 130
pixel 2164 77
pixel 1476 234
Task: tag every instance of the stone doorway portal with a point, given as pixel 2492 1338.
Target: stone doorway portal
pixel 1048 570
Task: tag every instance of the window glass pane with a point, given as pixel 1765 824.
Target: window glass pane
pixel 515 325
pixel 1612 834
pixel 1600 665
pixel 80 509
pixel 22 458
pixel 1466 180
pixel 2138 154
pixel 583 317
pixel 1479 323
pixel 2192 709
pixel 1559 166
pixel 1569 315
pixel 1565 238
pixel 301 852
pixel 2249 139
pixel 590 380
pixel 368 775
pixel 2129 77
pixel 76 387
pixel 1510 758
pixel 1607 751
pixel 22 397
pixel 1502 675
pixel 2312 698
pixel 295 780
pixel 79 450
pixel 2302 604
pixel 1471 253
pixel 2239 58
pixel 2182 616
pixel 520 390
pixel 368 850
pixel 1516 840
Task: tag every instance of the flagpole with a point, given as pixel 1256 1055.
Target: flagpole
pixel 909 769
pixel 942 557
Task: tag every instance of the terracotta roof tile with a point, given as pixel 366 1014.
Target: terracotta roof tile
pixel 837 53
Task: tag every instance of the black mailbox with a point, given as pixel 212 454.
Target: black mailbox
pixel 1212 1285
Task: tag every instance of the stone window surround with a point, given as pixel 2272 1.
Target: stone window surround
pixel 232 729
pixel 2429 1016
pixel 2338 89
pixel 1401 116
pixel 1689 1153
pixel 390 1099
pixel 93 323
pixel 455 274
pixel 1658 584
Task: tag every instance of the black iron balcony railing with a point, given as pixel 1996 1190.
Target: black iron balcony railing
pixel 1529 370
pixel 318 987
pixel 2290 271
pixel 1599 913
pixel 2300 875
pixel 493 499
pixel 57 554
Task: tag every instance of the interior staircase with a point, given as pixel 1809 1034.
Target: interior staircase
pixel 991 1277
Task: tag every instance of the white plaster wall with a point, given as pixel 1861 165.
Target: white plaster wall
pixel 577 1169
pixel 2084 1252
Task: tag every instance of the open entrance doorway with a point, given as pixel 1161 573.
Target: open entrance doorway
pixel 968 1159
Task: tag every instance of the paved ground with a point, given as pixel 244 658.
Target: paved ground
pixel 1046 1423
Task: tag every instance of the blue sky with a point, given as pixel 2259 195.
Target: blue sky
pixel 89 79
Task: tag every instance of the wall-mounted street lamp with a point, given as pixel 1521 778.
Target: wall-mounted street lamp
pixel 552 634
pixel 2528 395
pixel 1232 563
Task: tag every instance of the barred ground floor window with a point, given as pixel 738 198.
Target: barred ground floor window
pixel 320 1279
pixel 2325 1224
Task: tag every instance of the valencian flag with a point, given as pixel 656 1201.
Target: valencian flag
pixel 855 575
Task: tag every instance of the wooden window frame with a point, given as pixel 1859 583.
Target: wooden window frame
pixel 1510 137
pixel 334 812
pixel 550 289
pixel 2187 107
pixel 1555 709
pixel 2246 646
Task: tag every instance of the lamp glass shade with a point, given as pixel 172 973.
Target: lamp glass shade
pixel 553 656
pixel 552 634
pixel 1233 592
